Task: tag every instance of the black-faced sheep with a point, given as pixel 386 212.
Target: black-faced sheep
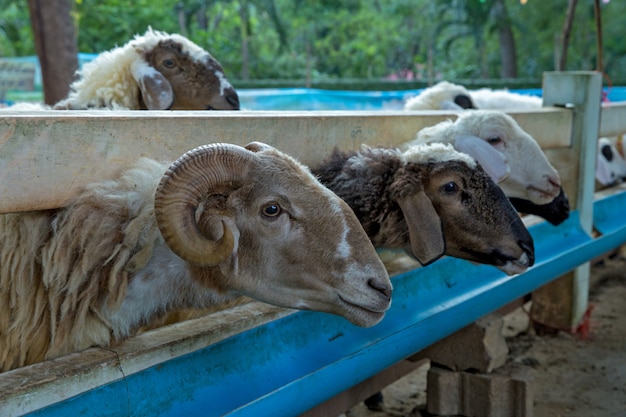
pixel 156 71
pixel 430 200
pixel 510 156
pixel 224 221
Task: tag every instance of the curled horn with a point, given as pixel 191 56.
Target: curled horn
pixel 190 178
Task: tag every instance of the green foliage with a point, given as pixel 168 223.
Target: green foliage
pixel 103 25
pixel 16 37
pixel 341 39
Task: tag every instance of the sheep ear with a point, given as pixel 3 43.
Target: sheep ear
pixel 156 90
pixel 493 162
pixel 425 229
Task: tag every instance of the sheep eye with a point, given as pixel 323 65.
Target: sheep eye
pixel 169 63
pixel 271 210
pixel 450 188
pixel 494 140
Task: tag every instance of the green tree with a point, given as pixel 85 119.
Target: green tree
pixel 338 39
pixel 16 35
pixel 461 20
pixel 508 54
pixel 102 25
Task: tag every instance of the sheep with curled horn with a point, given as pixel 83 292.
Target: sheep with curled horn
pixel 431 201
pixel 155 71
pixel 509 155
pixel 221 222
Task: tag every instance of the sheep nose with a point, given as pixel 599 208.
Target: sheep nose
pixel 233 99
pixel 380 286
pixel 529 248
pixel 554 181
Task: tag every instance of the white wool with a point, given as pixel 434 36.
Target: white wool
pixel 485 123
pixel 480 123
pixel 107 81
pixel 486 98
pixel 436 153
pixel 152 37
pixel 435 97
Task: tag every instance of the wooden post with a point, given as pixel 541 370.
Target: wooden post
pixel 562 303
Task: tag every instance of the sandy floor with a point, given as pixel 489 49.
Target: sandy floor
pixel 572 376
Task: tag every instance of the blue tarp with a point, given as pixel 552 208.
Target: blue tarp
pixel 315 99
pixel 318 99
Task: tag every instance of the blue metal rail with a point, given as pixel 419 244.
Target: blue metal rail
pixel 290 365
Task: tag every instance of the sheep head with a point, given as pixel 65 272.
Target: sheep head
pixel 442 96
pixel 447 198
pixel 431 201
pixel 176 74
pixel 611 166
pixel 154 71
pixel 530 174
pixel 271 231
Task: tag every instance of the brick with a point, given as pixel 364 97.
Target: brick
pixel 479 395
pixel 481 346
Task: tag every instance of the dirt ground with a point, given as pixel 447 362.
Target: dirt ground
pixel 572 376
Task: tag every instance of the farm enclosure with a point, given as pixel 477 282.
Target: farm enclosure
pixel 208 363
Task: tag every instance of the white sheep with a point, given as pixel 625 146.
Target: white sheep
pixel 442 96
pixel 156 71
pixel 502 99
pixel 509 155
pixel 609 169
pixel 449 96
pixel 611 166
pixel 430 200
pixel 224 222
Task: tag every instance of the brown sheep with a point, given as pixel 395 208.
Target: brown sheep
pixel 156 71
pixel 224 222
pixel 430 200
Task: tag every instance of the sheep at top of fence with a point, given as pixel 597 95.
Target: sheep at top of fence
pixel 511 156
pixel 224 221
pixel 442 96
pixel 430 201
pixel 449 96
pixel 154 71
